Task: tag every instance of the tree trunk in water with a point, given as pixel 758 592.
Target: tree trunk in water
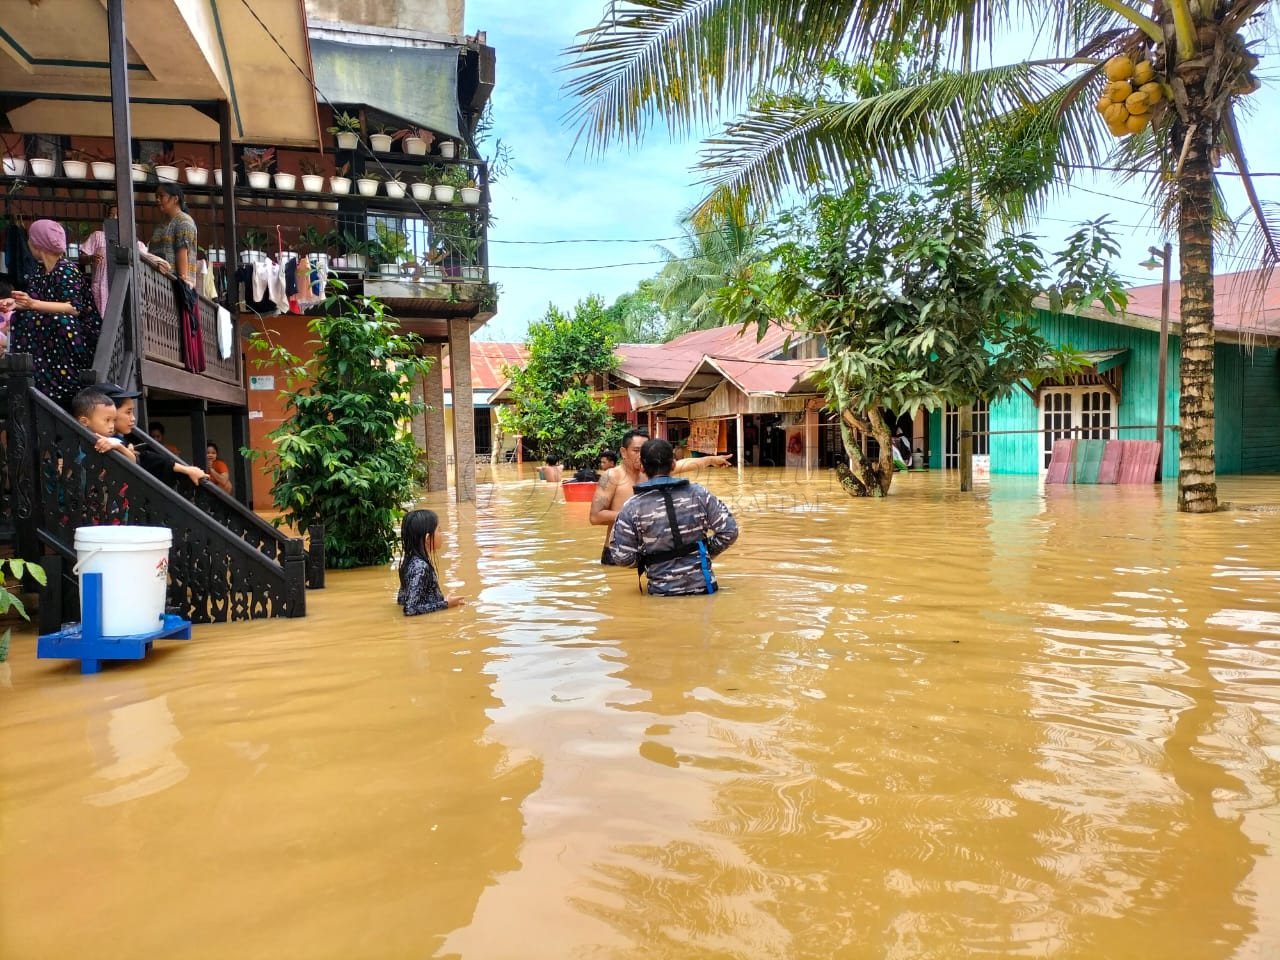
pixel 1197 484
pixel 964 424
pixel 865 481
pixel 884 464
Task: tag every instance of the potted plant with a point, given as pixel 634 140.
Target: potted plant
pixel 140 172
pixel 367 185
pixel 390 249
pixel 346 130
pixel 314 243
pixel 467 247
pixel 340 183
pixel 100 164
pixel 197 172
pixel 443 192
pixel 355 252
pixel 470 193
pixel 431 272
pixel 216 256
pixel 76 164
pixel 42 166
pixel 251 244
pixel 217 176
pixel 15 164
pixel 257 164
pixel 417 141
pixel 312 178
pixel 380 141
pixel 395 186
pixel 165 168
pixel 447 149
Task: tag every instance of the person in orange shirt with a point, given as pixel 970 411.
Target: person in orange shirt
pixel 219 472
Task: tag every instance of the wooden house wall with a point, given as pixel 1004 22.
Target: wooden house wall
pixel 1260 413
pixel 1021 453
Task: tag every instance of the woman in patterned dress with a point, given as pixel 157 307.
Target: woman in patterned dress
pixel 55 319
pixel 173 245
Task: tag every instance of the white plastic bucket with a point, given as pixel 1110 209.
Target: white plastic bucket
pixel 134 563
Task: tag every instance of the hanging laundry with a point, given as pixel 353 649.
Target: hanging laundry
pixel 192 346
pixel 225 333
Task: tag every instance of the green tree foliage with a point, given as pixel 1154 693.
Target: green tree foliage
pixel 638 317
pixel 343 457
pixel 920 306
pixel 1023 129
pixel 553 397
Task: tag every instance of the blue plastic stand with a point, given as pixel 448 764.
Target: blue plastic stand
pixel 84 641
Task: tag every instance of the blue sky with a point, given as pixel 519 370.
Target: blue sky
pixel 637 193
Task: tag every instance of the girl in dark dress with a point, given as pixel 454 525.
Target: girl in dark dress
pixel 55 319
pixel 419 588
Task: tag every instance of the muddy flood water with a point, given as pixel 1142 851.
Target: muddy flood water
pixel 1014 724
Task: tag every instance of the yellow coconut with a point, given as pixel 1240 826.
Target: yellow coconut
pixel 1116 115
pixel 1136 123
pixel 1143 72
pixel 1119 90
pixel 1119 68
pixel 1137 104
pixel 1153 91
pixel 1118 130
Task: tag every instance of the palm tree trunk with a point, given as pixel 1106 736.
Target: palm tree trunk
pixel 1197 484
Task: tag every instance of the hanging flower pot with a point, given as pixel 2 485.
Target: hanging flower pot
pixel 347 140
pixel 15 166
pixel 259 179
pixel 420 191
pixel 366 187
pixel 41 167
pixel 470 195
pixel 340 185
pixel 415 146
pixel 166 173
pixel 102 169
pixel 443 193
pixel 447 149
pixel 286 181
pixel 395 189
pixel 380 142
pixel 312 182
pixel 198 176
pixel 76 169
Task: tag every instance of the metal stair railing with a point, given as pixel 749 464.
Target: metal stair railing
pixel 58 482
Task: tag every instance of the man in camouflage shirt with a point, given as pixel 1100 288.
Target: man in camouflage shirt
pixel 671 528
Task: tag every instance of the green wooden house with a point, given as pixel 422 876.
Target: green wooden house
pixel 1120 389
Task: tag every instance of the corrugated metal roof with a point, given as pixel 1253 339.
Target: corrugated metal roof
pixel 1246 303
pixel 487 361
pixel 668 364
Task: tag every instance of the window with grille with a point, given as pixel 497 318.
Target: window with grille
pixel 951 433
pixel 1081 413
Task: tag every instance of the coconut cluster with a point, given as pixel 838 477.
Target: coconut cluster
pixel 1130 93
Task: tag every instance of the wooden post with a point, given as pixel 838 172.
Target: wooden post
pixel 740 425
pixel 241 468
pixel 965 427
pixel 1164 362
pixel 231 300
pixel 199 434
pixel 810 438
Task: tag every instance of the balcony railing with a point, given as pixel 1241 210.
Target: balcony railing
pixel 162 328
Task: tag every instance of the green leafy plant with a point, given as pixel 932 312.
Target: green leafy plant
pixel 552 397
pixel 258 159
pixel 342 456
pixel 345 123
pixel 313 241
pixel 310 167
pixel 390 246
pixel 253 240
pixel 351 244
pixel 15 567
pixel 457 175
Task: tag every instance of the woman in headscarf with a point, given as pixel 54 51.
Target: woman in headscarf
pixel 55 319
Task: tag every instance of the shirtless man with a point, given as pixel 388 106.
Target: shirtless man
pixel 617 485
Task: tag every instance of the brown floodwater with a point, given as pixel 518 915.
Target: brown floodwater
pixel 1021 723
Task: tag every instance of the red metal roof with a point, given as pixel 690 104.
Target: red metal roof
pixel 668 364
pixel 767 376
pixel 487 361
pixel 1241 304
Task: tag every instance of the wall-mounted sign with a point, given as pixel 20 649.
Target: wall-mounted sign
pixel 262 383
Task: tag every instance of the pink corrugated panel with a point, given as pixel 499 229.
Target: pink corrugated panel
pixel 1109 470
pixel 1060 462
pixel 1138 465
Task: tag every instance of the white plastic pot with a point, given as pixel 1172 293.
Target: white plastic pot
pixel 348 141
pixel 380 142
pixel 340 185
pixel 217 255
pixel 259 179
pixel 432 274
pixel 415 146
pixel 367 188
pixel 447 149
pixel 134 563
pixel 102 169
pixel 252 256
pixel 15 166
pixel 395 190
pixel 41 167
pixel 420 191
pixel 198 176
pixel 286 181
pixel 356 261
pixel 77 169
pixel 312 182
pixel 217 176
pixel 473 273
pixel 389 269
pixel 443 193
pixel 140 173
pixel 470 195
pixel 166 173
